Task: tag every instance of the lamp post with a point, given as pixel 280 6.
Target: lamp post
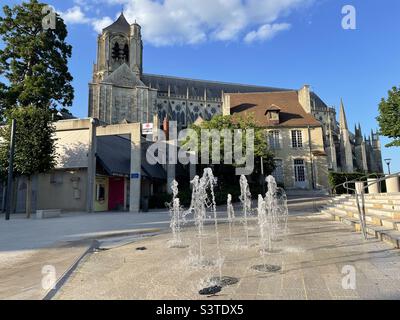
pixel 388 161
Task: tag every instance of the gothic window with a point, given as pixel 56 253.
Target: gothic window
pixel 126 53
pixel 183 118
pixel 162 115
pixel 115 51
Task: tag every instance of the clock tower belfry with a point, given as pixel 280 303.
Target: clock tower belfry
pixel 119 43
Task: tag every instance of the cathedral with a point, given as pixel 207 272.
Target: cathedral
pixel 120 92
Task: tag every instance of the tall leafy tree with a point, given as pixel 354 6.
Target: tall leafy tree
pixel 34 145
pixel 389 117
pixel 235 122
pixel 34 60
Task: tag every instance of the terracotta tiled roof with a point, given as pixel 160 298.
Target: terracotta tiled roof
pixel 292 113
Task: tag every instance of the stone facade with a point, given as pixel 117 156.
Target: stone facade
pixel 121 93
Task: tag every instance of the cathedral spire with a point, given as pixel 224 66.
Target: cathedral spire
pixel 343 119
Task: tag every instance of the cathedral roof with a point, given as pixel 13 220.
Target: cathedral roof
pixel 214 89
pixel 120 25
pixel 292 113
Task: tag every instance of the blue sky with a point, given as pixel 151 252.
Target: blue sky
pixel 285 43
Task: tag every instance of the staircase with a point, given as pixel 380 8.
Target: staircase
pixel 382 215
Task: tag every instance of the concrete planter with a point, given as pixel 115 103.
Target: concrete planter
pixel 373 186
pixel 393 185
pixel 360 187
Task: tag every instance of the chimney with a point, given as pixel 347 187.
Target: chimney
pixel 304 98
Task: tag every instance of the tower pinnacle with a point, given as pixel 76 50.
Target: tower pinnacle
pixel 343 119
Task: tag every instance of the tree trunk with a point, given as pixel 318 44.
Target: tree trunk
pixel 28 204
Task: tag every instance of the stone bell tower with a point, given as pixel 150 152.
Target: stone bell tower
pixel 119 43
pixel 116 92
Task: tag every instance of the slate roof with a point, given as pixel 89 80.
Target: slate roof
pixel 120 25
pixel 291 113
pixel 178 86
pixel 113 152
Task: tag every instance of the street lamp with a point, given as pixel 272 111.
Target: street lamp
pixel 388 161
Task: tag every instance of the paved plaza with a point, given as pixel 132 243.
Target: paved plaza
pixel 26 246
pixel 312 257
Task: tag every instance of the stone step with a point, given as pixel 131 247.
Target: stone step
pixel 382 221
pixel 375 219
pixel 384 196
pixel 392 214
pixel 382 233
pixel 386 204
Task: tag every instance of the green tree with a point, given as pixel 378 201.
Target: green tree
pixel 33 60
pixel 233 122
pixel 34 145
pixel 389 117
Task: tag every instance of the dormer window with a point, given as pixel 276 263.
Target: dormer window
pixel 272 114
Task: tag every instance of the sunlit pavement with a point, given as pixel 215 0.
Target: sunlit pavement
pixel 319 259
pixel 26 246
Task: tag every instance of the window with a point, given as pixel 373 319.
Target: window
pixel 299 170
pixel 100 192
pixel 274 139
pixel 278 172
pixel 297 139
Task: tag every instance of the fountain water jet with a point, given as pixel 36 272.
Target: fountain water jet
pixel 203 198
pixel 177 217
pixel 231 215
pixel 208 182
pixel 245 199
pixel 272 218
pixel 276 203
pixel 199 211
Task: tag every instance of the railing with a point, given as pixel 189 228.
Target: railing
pixel 343 184
pixel 359 191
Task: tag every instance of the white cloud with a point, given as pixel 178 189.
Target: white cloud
pixel 170 22
pixel 100 24
pixel 266 32
pixel 74 15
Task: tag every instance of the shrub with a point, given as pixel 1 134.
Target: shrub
pixel 159 200
pixel 337 178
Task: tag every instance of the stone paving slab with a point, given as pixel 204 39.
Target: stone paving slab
pixel 311 256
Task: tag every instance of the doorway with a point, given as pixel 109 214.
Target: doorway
pixel 300 174
pixel 116 194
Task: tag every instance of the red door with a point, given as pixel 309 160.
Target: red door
pixel 116 194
